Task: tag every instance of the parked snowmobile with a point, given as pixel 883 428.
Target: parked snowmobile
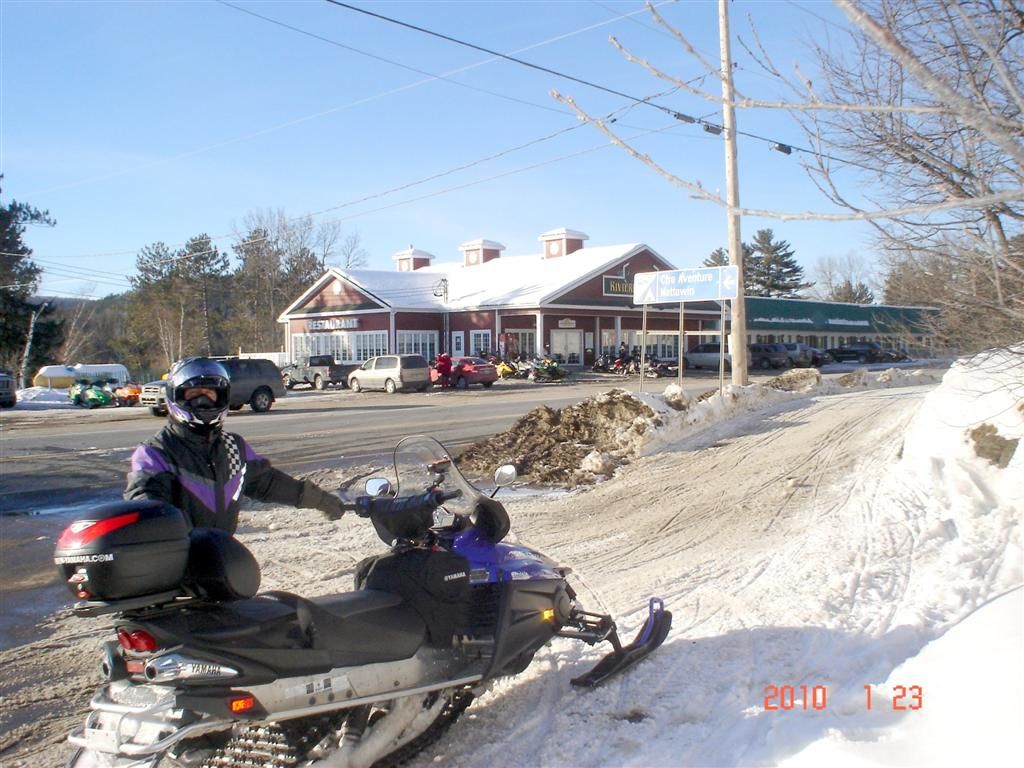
pixel 205 672
pixel 89 394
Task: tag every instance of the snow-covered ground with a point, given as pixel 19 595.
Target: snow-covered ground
pixel 842 541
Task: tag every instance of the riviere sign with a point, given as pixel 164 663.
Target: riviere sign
pixel 614 285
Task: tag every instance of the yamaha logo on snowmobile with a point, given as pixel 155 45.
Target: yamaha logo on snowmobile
pixel 102 557
pixel 456 575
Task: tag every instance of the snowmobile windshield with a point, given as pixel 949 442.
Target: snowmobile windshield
pixel 422 463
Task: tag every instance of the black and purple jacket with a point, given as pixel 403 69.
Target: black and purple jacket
pixel 204 475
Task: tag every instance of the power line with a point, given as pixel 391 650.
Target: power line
pixel 716 128
pixel 375 57
pixel 433 177
pixel 305 118
pixel 505 56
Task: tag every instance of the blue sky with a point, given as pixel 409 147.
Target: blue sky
pixel 138 122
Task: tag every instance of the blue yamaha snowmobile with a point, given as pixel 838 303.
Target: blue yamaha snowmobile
pixel 206 672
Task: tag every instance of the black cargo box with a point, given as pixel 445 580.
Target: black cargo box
pixel 124 550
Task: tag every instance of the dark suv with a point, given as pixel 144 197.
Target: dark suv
pixel 767 356
pixel 857 351
pixel 8 390
pixel 254 381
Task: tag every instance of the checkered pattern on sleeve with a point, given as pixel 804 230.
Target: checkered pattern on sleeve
pixel 234 453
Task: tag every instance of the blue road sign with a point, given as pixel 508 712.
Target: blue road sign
pixel 680 285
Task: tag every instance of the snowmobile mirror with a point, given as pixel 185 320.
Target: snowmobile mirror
pixel 505 474
pixel 377 486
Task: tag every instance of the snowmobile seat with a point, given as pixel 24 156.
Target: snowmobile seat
pixel 362 627
pixel 220 566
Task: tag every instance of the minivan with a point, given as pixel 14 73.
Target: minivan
pixel 391 373
pixel 705 356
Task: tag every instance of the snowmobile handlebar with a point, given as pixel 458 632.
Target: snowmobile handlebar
pixel 371 506
pixel 405 517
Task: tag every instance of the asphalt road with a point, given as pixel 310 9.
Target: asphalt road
pixel 54 459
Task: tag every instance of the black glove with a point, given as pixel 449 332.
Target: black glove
pixel 407 517
pixel 315 497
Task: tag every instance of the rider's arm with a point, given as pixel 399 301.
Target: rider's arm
pixel 150 476
pixel 266 483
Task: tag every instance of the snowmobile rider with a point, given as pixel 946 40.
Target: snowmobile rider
pixel 195 465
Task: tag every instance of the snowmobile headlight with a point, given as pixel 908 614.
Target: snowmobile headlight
pixel 174 666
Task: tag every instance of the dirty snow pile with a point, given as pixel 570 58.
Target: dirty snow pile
pixel 586 442
pixel 42 397
pixel 572 445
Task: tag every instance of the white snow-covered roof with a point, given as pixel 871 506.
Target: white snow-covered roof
pixel 482 245
pixel 509 281
pixel 563 234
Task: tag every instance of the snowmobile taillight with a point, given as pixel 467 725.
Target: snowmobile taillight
pixel 82 532
pixel 242 704
pixel 143 641
pixel 82 594
pixel 139 640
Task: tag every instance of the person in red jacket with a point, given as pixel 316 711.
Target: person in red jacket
pixel 444 370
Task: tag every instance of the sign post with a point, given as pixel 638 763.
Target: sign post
pixel 683 285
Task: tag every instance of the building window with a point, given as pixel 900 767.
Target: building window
pixel 663 346
pixel 479 342
pixel 369 344
pixel 338 345
pixel 417 343
pixel 520 343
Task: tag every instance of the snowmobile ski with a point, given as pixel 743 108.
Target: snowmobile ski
pixel 650 636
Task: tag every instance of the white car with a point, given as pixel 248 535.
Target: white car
pixel 391 373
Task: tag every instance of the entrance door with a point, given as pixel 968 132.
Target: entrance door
pixel 458 343
pixel 567 346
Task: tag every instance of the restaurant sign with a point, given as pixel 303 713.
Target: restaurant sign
pixel 333 324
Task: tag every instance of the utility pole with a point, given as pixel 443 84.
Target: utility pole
pixel 738 335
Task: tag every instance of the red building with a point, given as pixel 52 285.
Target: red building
pixel 569 300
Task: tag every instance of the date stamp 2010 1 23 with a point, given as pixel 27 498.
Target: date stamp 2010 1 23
pixel 785 698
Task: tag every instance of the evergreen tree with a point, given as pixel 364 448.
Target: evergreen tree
pixel 751 267
pixel 851 293
pixel 301 268
pixel 158 294
pixel 256 288
pixel 19 278
pixel 717 258
pixel 780 275
pixel 202 267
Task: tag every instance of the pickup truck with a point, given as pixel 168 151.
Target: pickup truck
pixel 318 370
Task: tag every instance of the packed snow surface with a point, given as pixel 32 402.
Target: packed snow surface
pixel 816 544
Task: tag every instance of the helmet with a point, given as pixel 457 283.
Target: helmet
pixel 200 412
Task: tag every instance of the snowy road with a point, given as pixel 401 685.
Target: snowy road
pixel 815 541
